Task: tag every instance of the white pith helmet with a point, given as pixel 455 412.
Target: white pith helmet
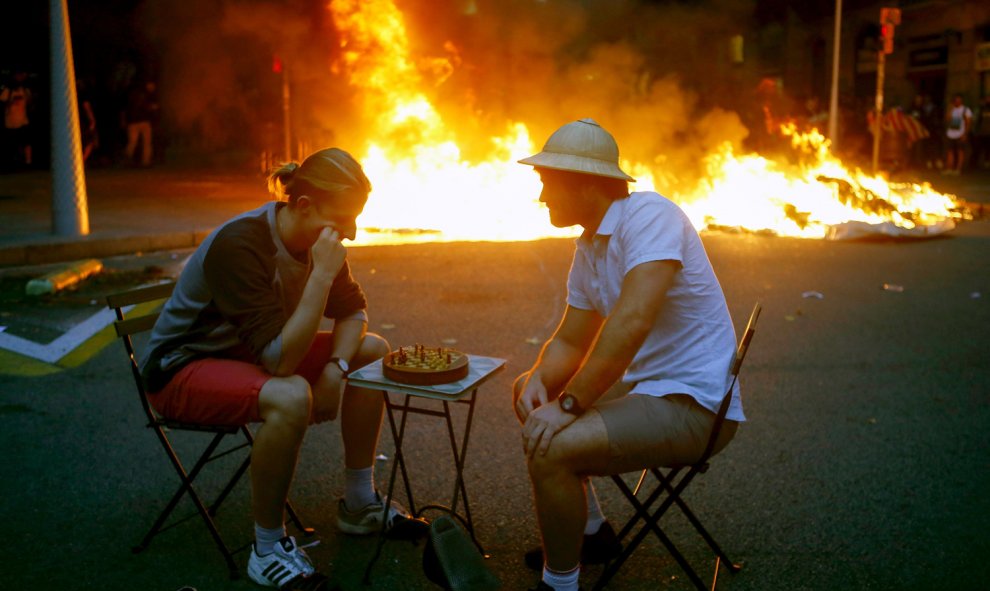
pixel 581 146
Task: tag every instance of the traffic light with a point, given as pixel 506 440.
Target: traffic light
pixel 889 18
pixel 887 35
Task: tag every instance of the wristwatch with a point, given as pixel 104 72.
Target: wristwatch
pixel 570 404
pixel 341 363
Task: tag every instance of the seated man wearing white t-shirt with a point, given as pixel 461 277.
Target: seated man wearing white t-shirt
pixel 647 320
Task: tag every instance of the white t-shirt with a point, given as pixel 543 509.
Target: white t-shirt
pixel 692 344
pixel 957 122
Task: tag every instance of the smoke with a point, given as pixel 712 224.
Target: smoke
pixel 218 87
pixel 655 74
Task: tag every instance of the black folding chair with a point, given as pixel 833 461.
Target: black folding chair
pixel 670 485
pixel 136 312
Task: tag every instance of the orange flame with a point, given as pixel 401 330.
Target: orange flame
pixel 810 199
pixel 424 191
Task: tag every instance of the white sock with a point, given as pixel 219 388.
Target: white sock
pixel 265 539
pixel 595 516
pixel 359 487
pixel 565 581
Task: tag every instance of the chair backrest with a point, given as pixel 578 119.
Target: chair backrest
pixel 136 311
pixel 723 408
pixel 744 341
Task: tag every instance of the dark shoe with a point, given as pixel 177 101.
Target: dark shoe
pixel 597 548
pixel 368 520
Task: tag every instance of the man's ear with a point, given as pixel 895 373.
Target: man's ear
pixel 304 203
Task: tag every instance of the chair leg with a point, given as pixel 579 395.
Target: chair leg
pixel 650 523
pixel 230 486
pixel 187 488
pixel 702 531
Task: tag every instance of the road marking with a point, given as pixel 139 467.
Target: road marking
pixel 22 357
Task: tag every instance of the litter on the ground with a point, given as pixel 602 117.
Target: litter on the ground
pixel 813 294
pixel 893 287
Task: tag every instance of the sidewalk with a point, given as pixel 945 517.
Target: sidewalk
pixel 129 211
pixel 168 208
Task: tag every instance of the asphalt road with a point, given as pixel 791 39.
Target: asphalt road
pixel 862 465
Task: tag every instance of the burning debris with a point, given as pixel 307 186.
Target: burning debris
pixel 423 181
pixel 431 99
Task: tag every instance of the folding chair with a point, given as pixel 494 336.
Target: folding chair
pixel 136 312
pixel 669 484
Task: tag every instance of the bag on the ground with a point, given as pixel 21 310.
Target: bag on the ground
pixel 452 561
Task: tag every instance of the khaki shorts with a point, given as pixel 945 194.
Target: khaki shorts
pixel 650 431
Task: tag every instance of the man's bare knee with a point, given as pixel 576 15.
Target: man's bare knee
pixel 288 399
pixel 582 449
pixel 517 389
pixel 546 466
pixel 372 347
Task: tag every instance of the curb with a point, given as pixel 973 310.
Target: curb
pixel 62 278
pixel 52 250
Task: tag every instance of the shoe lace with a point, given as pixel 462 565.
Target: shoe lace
pixel 297 558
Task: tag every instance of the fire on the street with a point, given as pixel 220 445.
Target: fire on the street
pixel 425 191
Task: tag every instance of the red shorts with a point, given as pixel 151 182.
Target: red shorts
pixel 225 391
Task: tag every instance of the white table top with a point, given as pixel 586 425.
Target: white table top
pixel 480 368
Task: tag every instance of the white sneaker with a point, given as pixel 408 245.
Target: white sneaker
pixel 288 567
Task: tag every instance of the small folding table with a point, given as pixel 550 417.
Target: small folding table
pixel 463 391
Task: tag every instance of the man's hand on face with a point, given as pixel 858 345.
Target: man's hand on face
pixel 541 426
pixel 328 252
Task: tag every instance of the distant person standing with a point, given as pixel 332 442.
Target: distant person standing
pixel 981 136
pixel 958 122
pixel 87 120
pixel 932 120
pixel 16 99
pixel 920 151
pixel 139 112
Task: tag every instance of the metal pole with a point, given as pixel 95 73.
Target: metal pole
pixel 286 120
pixel 70 212
pixel 833 106
pixel 877 124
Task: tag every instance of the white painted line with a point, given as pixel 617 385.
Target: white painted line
pixel 64 344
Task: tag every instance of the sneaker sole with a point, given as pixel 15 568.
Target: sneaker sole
pixel 357 530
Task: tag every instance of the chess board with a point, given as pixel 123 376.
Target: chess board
pixel 422 365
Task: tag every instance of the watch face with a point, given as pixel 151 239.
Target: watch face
pixel 567 403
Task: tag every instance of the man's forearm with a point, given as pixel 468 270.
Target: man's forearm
pixel 347 335
pixel 556 365
pixel 299 330
pixel 620 339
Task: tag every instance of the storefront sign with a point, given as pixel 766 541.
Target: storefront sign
pixel 930 56
pixel 983 57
